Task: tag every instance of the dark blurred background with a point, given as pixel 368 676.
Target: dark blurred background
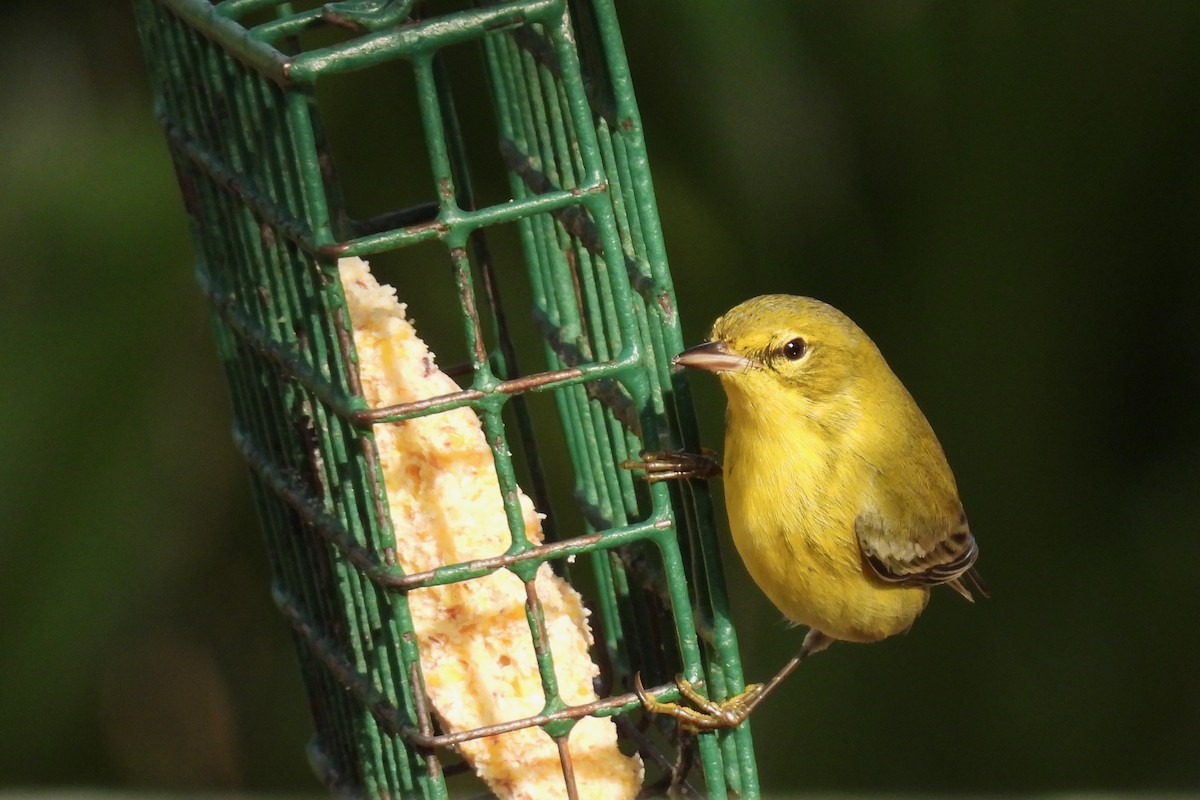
pixel 1006 195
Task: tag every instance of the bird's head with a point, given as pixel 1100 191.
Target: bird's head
pixel 783 343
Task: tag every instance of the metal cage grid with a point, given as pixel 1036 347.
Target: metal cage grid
pixel 235 95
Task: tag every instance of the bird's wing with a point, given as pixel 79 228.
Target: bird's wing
pixel 923 557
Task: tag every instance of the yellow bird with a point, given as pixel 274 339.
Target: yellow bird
pixel 839 496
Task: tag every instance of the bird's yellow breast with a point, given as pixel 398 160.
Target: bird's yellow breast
pixel 792 507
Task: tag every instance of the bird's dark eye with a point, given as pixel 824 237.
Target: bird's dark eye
pixel 795 349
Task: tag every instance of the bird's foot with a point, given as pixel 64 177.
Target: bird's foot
pixel 703 714
pixel 675 465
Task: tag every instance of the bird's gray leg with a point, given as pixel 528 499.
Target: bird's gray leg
pixel 705 714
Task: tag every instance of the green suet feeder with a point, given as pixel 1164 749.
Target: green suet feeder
pixel 236 90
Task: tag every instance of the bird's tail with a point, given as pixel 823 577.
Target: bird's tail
pixel 977 583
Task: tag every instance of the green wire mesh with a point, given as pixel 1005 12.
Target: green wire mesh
pixel 235 90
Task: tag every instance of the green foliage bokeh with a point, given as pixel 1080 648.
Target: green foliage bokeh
pixel 1006 195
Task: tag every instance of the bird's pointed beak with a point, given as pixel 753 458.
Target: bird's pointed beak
pixel 712 357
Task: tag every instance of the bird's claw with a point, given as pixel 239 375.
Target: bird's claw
pixel 703 714
pixel 676 465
